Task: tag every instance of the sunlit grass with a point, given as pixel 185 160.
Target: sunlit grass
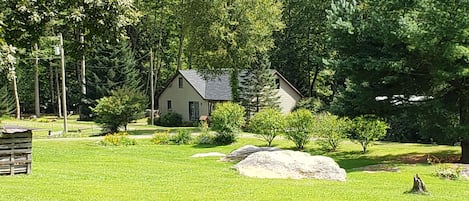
pixel 84 170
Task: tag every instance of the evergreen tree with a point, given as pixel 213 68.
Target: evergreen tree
pixel 258 89
pixel 111 66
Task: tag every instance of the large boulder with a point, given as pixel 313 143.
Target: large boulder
pixel 245 151
pixel 290 164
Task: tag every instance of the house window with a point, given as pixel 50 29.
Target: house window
pixel 170 105
pixel 193 111
pixel 277 83
pixel 180 82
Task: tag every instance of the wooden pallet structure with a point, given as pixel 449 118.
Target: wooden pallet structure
pixel 15 151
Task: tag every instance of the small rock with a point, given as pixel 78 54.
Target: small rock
pixel 245 151
pixel 210 154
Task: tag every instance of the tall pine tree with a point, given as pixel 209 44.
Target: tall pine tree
pixel 111 65
pixel 258 89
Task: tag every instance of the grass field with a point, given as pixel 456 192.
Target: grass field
pixel 84 170
pixel 43 125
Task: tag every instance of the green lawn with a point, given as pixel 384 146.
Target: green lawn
pixel 43 125
pixel 84 170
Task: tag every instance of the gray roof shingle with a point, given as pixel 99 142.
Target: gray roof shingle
pixel 217 87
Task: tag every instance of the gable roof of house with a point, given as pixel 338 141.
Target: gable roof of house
pixel 217 87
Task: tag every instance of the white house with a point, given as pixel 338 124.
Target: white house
pixel 192 96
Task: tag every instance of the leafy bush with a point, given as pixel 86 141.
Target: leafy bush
pixel 300 127
pixel 122 107
pixel 170 120
pixel 205 138
pixel 161 137
pixel 311 104
pixel 227 120
pixel 332 130
pixel 117 139
pixel 366 129
pixel 448 171
pixel 268 124
pixel 182 137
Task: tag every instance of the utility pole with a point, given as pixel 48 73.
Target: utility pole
pixel 36 81
pixel 64 95
pixel 152 89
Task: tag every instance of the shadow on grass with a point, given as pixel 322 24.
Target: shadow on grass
pixel 351 160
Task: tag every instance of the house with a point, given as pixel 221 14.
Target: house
pixel 192 96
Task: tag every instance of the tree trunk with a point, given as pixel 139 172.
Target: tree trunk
pixel 37 108
pixel 313 83
pixel 465 151
pixel 464 122
pixel 17 99
pixel 419 185
pixel 51 84
pixel 59 102
pixel 181 46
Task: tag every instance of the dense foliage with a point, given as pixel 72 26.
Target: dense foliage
pixel 123 106
pixel 268 124
pixel 300 127
pixel 331 131
pixel 366 129
pixel 258 89
pixel 170 120
pixel 227 120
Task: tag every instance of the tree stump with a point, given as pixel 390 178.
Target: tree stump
pixel 419 185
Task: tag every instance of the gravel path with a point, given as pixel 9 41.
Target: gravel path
pixel 465 171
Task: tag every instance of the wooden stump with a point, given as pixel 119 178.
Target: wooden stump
pixel 419 185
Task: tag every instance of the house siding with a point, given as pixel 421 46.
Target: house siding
pixel 288 97
pixel 180 98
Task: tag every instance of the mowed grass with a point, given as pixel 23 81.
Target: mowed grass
pixel 84 170
pixel 43 125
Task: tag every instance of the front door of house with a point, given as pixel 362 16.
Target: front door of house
pixel 193 110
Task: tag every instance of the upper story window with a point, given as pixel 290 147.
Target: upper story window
pixel 181 82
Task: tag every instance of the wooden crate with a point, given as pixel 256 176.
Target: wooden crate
pixel 15 151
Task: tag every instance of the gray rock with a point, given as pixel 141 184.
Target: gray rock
pixel 245 151
pixel 210 154
pixel 290 164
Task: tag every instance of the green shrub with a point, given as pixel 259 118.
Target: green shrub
pixel 366 129
pixel 122 107
pixel 182 137
pixel 299 127
pixel 170 120
pixel 268 124
pixel 227 120
pixel 161 137
pixel 448 171
pixel 331 131
pixel 205 138
pixel 117 139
